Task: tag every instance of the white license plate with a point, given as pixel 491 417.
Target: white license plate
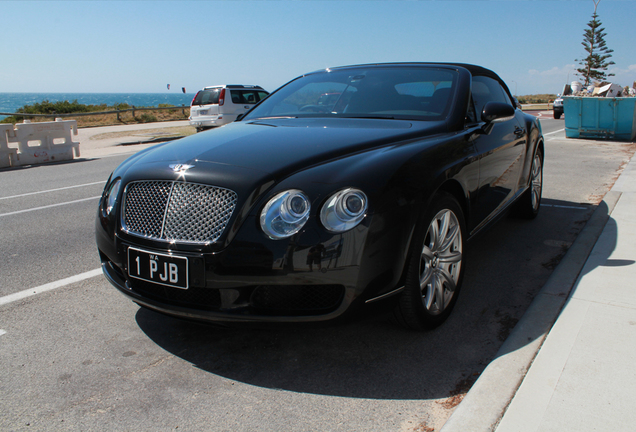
pixel 162 269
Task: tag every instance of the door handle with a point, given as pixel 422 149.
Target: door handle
pixel 520 131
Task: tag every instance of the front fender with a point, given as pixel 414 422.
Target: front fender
pixel 534 141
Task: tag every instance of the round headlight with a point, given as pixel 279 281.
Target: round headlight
pixel 344 210
pixel 111 195
pixel 353 204
pixel 285 214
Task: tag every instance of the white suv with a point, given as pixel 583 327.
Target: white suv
pixel 557 107
pixel 218 105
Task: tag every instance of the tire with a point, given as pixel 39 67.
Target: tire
pixel 435 269
pixel 530 202
pixel 557 115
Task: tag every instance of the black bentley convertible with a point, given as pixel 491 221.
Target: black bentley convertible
pixel 345 187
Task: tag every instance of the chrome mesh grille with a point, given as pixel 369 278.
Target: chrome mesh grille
pixel 145 207
pixel 177 211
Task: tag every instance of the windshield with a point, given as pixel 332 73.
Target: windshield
pixel 416 93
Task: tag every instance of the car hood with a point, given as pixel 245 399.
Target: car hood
pixel 279 147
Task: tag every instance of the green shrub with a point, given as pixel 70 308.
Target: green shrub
pixel 121 106
pixel 46 107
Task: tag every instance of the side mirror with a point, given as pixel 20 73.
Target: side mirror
pixel 495 112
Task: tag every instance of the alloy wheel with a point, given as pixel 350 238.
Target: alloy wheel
pixel 537 181
pixel 440 261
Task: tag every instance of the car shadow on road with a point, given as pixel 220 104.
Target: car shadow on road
pixel 375 359
pixel 367 359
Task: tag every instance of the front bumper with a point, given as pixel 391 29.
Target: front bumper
pixel 228 305
pixel 247 282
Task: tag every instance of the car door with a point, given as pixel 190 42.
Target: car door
pixel 500 153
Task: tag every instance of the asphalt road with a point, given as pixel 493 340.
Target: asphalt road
pixel 79 356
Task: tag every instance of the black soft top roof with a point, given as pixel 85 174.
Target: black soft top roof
pixel 474 70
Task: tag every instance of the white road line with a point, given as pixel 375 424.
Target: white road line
pixel 2 332
pixel 552 133
pixel 51 190
pixel 49 206
pixel 48 287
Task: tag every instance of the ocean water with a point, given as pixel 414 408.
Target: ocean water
pixel 11 102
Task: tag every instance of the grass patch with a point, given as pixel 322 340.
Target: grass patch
pixel 535 107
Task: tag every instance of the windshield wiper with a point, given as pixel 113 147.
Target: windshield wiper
pixel 273 117
pixel 370 116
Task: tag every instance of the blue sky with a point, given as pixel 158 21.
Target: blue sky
pixel 140 46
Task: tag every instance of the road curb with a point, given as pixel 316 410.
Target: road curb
pixel 484 405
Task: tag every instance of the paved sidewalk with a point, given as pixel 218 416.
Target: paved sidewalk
pixel 583 377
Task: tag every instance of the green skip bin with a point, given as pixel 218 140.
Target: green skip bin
pixel 598 117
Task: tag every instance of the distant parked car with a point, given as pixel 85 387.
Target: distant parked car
pixel 221 104
pixel 345 188
pixel 557 107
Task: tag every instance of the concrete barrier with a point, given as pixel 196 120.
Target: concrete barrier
pixel 34 143
pixel 8 156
